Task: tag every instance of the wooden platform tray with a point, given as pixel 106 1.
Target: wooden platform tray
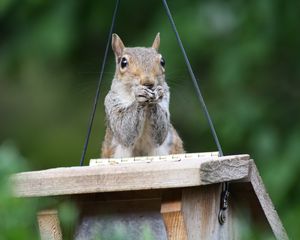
pixel 145 173
pixel 195 175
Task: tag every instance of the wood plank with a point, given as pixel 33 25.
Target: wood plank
pixel 171 212
pixel 200 208
pixel 49 225
pixel 224 170
pixel 149 159
pixel 266 203
pixel 134 176
pixel 174 225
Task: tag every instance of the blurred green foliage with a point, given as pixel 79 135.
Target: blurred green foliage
pixel 17 215
pixel 245 53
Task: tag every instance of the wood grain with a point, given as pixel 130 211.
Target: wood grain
pixel 200 208
pixel 171 211
pixel 49 225
pixel 133 176
pixel 175 225
pixel 266 203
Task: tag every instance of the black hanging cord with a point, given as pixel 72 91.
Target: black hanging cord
pixel 225 193
pixel 99 84
pixel 199 94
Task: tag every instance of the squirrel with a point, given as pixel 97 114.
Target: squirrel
pixel 137 105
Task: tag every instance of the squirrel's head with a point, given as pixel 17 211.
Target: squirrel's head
pixel 139 65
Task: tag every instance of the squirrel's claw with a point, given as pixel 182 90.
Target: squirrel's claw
pixel 146 95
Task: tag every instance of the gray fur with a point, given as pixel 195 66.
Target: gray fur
pixel 159 124
pixel 126 122
pixel 144 114
pixel 137 105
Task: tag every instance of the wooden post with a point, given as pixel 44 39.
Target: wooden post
pixel 171 210
pixel 49 225
pixel 200 208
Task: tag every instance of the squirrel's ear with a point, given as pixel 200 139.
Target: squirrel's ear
pixel 117 45
pixel 156 42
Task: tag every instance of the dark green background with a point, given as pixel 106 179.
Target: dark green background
pixel 246 55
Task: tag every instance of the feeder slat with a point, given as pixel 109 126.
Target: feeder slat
pixel 266 203
pixel 49 225
pixel 135 176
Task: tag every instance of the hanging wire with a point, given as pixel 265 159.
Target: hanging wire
pixel 225 186
pixel 197 88
pixel 225 193
pixel 92 116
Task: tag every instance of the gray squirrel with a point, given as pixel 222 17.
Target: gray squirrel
pixel 137 105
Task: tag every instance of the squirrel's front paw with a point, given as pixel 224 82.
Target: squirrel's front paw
pixel 143 94
pixel 158 94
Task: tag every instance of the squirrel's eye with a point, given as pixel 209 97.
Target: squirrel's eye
pixel 124 62
pixel 162 62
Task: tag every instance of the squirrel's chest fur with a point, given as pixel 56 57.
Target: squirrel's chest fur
pixel 135 130
pixel 144 145
pixel 137 122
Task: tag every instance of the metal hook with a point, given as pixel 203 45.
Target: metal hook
pixel 223 204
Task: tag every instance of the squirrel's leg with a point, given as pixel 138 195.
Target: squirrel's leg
pixel 121 151
pixel 171 145
pixel 126 121
pixel 159 123
pixel 164 135
pixel 158 115
pixel 112 149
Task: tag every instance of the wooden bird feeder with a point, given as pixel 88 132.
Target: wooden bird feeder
pixel 177 196
pixel 174 197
